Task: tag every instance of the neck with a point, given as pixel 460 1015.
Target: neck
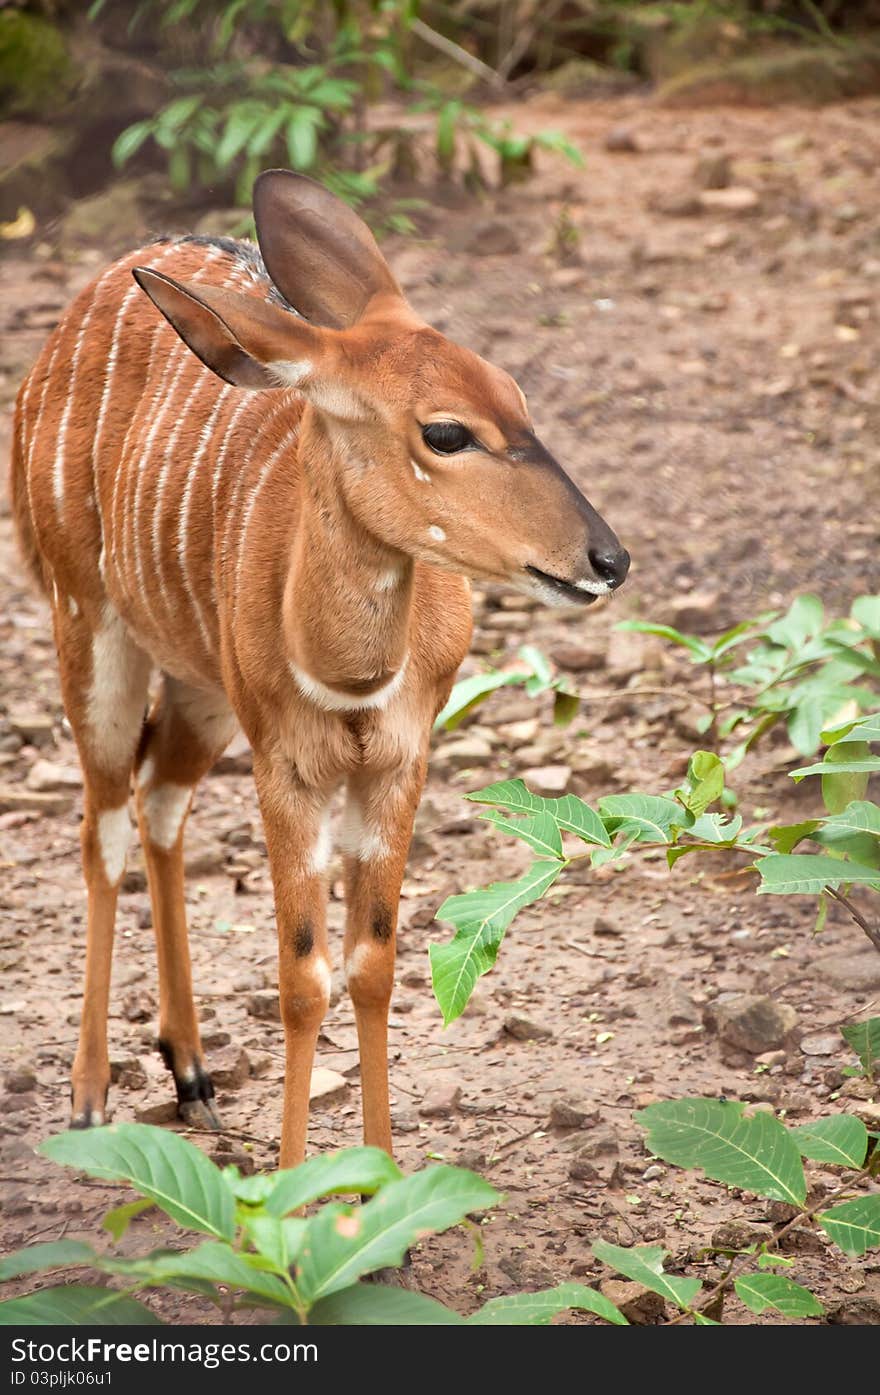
pixel 348 597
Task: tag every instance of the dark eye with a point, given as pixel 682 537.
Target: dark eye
pixel 447 437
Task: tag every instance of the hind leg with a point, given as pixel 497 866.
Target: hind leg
pixel 184 735
pixel 104 679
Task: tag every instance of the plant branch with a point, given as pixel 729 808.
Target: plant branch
pixel 458 54
pixel 872 931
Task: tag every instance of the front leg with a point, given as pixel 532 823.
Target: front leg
pixel 295 820
pixel 376 834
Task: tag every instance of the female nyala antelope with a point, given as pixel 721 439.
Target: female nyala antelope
pixel 294 560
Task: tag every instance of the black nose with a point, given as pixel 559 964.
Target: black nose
pixel 610 564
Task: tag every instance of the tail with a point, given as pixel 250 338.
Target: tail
pixel 21 509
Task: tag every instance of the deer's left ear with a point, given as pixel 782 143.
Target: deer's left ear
pixel 320 254
pixel 245 341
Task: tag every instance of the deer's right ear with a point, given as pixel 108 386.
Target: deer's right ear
pixel 237 336
pixel 320 254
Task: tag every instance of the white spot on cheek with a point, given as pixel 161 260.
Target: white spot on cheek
pixel 419 473
pixel 114 838
pixel 164 811
pixel 436 533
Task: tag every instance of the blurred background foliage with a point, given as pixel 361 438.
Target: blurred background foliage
pixel 385 100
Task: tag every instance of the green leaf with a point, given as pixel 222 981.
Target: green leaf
pixel 803 621
pixel 841 1139
pixel 163 1166
pixel 129 142
pixel 705 782
pixel 756 1153
pixel 76 1305
pixel 536 1309
pixel 653 817
pixel 345 1242
pixel 854 1225
pixel 862 729
pixel 701 651
pixel 860 816
pixel 644 1265
pixel 119 1219
pixel 481 918
pixel 866 611
pixel 212 1262
pixel 469 692
pixel 762 1291
pixel 864 1038
pixel 867 765
pixel 806 874
pixel 55 1254
pixel 277 1239
pixel 302 137
pixel 786 836
pixel 569 812
pixel 541 832
pixel 380 1305
pixel 839 785
pixel 566 706
pixel 363 1170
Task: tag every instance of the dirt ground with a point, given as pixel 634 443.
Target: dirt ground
pixel 709 377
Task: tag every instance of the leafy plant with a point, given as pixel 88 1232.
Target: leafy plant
pixel 261 1252
pixel 531 671
pixel 307 107
pixel 758 1154
pixel 803 668
pixel 847 836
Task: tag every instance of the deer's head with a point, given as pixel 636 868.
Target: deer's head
pixel 431 447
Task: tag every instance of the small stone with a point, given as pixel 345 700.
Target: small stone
pixel 238 1158
pixel 748 1023
pixel 33 727
pixel 577 658
pixel 583 1169
pixel 21 1081
pixel 328 1086
pixel 138 1006
pixel 264 1006
pixel 523 1029
pixel 441 1102
pixel 229 1067
pixel 653 1173
pixel 549 780
pixel 852 972
pixel 625 655
pixel 46 777
pixel 404 1121
pixel 771 1058
pixel 860 1311
pixel 599 1143
pixel 17 1204
pixel 11 1103
pixel 713 170
pixel 519 733
pixel 606 928
pixel 695 613
pixel 677 204
pixel 869 1113
pixel 13 800
pixel 486 237
pixel 465 751
pixel 637 1303
pixel 682 1010
pixel 738 1234
pixel 621 140
pixel 164 1113
pixel 736 199
pixel 821 1044
pixel 128 1073
pixel 564 1114
pixel 212 1040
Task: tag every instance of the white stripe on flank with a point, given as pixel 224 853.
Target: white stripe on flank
pixel 183 520
pixel 232 508
pixel 203 377
pixel 131 532
pixel 332 700
pixel 58 464
pixel 224 449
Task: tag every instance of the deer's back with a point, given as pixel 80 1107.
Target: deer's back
pixel 133 465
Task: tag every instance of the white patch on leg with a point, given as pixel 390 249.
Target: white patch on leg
pixel 322 975
pixel 115 704
pixel 358 838
pixel 145 774
pixel 358 959
pixel 114 839
pixel 319 857
pixel 164 811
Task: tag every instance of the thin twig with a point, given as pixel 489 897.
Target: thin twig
pixel 872 931
pixel 457 54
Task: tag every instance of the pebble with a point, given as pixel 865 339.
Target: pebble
pixel 328 1086
pixel 749 1023
pixel 440 1102
pixel 821 1044
pixel 229 1067
pixel 21 1081
pixel 463 752
pixel 735 199
pixel 565 1114
pixel 523 1029
pixel 14 799
pixel 621 140
pixel 33 727
pixel 548 780
pixel 264 1006
pixel 46 777
pixel 639 1305
pixel 851 972
pixel 162 1113
pixel 577 658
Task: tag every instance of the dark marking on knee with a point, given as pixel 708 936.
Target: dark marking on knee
pixel 303 940
pixel 383 924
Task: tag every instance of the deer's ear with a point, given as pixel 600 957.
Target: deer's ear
pixel 245 341
pixel 320 254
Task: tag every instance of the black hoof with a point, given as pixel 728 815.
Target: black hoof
pixel 90 1116
pixel 194 1092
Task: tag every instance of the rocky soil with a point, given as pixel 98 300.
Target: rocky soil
pixel 701 353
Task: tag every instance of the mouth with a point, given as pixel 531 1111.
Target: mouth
pixel 567 590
